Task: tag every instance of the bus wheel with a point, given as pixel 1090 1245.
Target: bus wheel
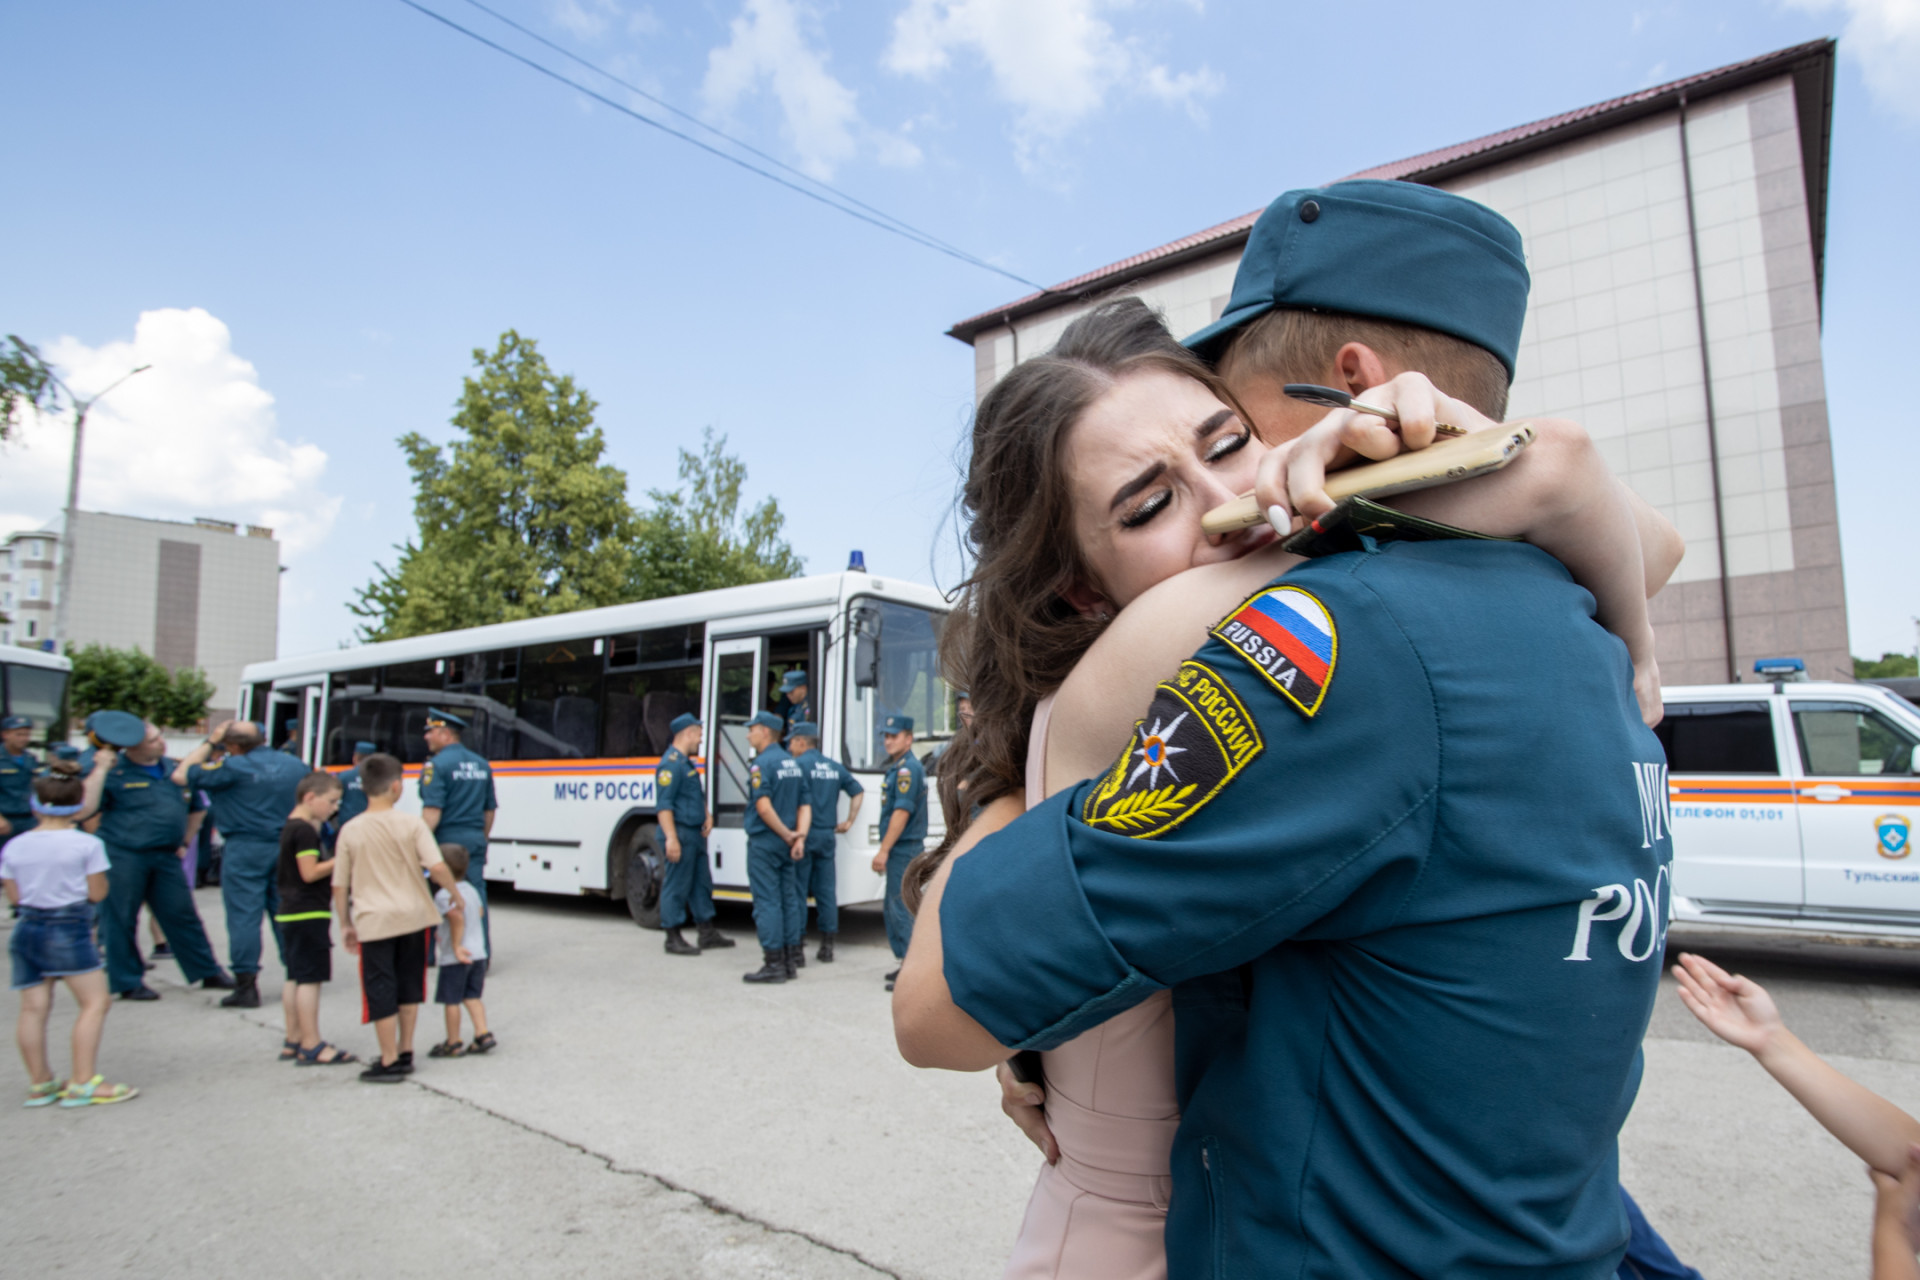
pixel 645 867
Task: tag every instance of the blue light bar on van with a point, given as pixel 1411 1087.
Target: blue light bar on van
pixel 1781 668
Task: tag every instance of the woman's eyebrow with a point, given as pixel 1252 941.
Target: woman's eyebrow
pixel 1136 484
pixel 1212 422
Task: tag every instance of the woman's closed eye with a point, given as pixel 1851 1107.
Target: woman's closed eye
pixel 1149 507
pixel 1227 446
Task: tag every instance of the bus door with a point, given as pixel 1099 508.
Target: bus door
pixel 291 717
pixel 733 696
pixel 1859 803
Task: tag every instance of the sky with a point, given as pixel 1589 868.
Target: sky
pixel 307 217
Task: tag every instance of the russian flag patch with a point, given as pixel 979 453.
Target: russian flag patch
pixel 1288 636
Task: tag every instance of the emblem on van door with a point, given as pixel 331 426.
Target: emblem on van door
pixel 1894 832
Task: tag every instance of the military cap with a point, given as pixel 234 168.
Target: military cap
pixel 438 719
pixel 117 729
pixel 768 720
pixel 897 724
pixel 685 720
pixel 794 679
pixel 1388 251
pixel 804 729
pixel 66 751
pixel 14 722
pixel 366 748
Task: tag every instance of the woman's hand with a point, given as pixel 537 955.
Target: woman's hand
pixel 1293 477
pixel 1024 1104
pixel 1736 1009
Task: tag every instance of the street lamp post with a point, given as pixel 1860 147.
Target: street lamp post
pixel 80 408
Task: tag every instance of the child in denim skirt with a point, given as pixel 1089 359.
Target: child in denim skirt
pixel 54 874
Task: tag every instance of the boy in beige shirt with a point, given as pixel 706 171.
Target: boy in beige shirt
pixel 388 913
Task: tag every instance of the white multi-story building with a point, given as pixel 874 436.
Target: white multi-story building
pixel 1675 238
pixel 205 594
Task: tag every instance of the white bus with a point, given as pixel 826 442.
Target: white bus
pixel 572 711
pixel 33 684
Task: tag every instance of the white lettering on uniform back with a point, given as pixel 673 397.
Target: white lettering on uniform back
pixel 1651 782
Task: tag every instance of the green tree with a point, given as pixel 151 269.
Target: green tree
pixel 26 382
pixel 517 516
pixel 107 679
pixel 1885 666
pixel 695 538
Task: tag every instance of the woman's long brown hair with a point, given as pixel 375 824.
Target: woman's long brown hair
pixel 1012 638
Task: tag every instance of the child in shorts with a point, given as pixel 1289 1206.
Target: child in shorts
pixel 462 961
pixel 53 875
pixel 305 918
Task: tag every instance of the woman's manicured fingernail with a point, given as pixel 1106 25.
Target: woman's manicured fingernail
pixel 1277 517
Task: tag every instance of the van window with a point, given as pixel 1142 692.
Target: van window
pixel 1844 739
pixel 1718 737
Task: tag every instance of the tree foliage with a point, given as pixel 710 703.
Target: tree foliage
pixel 517 516
pixel 26 382
pixel 1885 666
pixel 695 538
pixel 107 679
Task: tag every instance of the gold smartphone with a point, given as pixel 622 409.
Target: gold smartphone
pixel 1443 462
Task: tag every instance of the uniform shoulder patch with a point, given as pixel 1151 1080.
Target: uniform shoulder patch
pixel 1196 737
pixel 426 773
pixel 663 777
pixel 1288 636
pixel 905 783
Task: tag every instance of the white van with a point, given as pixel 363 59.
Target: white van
pixel 1793 806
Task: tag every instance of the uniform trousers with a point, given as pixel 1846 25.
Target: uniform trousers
pixel 815 876
pixel 156 878
pixel 899 919
pixel 687 887
pixel 778 914
pixel 474 841
pixel 250 888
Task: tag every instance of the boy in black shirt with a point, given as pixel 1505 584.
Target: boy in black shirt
pixel 305 917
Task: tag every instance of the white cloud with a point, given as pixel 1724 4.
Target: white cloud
pixel 1056 62
pixel 192 436
pixel 1884 35
pixel 770 46
pixel 587 19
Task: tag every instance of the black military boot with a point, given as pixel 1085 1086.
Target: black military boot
pixel 711 938
pixel 772 969
pixel 825 954
pixel 679 946
pixel 798 954
pixel 246 992
pixel 220 981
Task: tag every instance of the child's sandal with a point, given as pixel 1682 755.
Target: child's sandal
pixel 289 1050
pixel 312 1058
pixel 46 1093
pixel 96 1093
pixel 447 1049
pixel 483 1044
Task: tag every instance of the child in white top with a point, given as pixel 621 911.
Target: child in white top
pixel 54 874
pixel 463 961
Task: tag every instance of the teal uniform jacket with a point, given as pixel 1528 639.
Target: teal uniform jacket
pixel 353 798
pixel 252 794
pixel 1397 839
pixel 459 783
pixel 17 773
pixel 142 811
pixel 677 789
pixel 904 786
pixel 792 713
pixel 775 775
pixel 827 781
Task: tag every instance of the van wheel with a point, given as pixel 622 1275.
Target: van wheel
pixel 645 868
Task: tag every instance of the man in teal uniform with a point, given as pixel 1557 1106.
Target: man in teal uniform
pixel 457 801
pixel 778 815
pixel 353 796
pixel 796 701
pixel 146 820
pixel 680 805
pixel 18 769
pixel 827 781
pixel 903 827
pixel 252 791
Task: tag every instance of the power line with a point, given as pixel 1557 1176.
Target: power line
pixel 852 208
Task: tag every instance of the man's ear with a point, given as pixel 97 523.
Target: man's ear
pixel 1360 367
pixel 1087 601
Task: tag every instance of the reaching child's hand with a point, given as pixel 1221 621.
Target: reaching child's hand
pixel 463 955
pixel 1736 1009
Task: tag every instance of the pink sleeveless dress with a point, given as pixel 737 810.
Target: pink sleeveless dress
pixel 1101 1212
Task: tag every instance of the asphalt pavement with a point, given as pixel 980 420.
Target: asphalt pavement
pixel 651 1115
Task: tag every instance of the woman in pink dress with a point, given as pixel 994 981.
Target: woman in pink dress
pixel 1090 469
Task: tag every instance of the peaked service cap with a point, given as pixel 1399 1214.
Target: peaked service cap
pixel 685 720
pixel 117 728
pixel 768 720
pixel 1388 251
pixel 897 724
pixel 14 722
pixel 794 679
pixel 438 719
pixel 803 729
pixel 366 748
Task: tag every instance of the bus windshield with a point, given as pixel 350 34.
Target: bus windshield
pixel 893 669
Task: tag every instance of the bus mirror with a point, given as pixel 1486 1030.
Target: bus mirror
pixel 1913 763
pixel 866 648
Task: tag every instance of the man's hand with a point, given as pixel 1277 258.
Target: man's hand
pixel 219 733
pixel 880 862
pixel 1024 1105
pixel 673 850
pixel 844 827
pixel 798 848
pixel 706 828
pixel 1736 1009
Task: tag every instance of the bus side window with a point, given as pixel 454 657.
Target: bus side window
pixel 1719 737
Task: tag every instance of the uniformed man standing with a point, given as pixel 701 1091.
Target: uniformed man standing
pixel 903 827
pixel 796 701
pixel 778 815
pixel 456 799
pixel 680 806
pixel 252 790
pixel 18 768
pixel 147 821
pixel 353 796
pixel 827 781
